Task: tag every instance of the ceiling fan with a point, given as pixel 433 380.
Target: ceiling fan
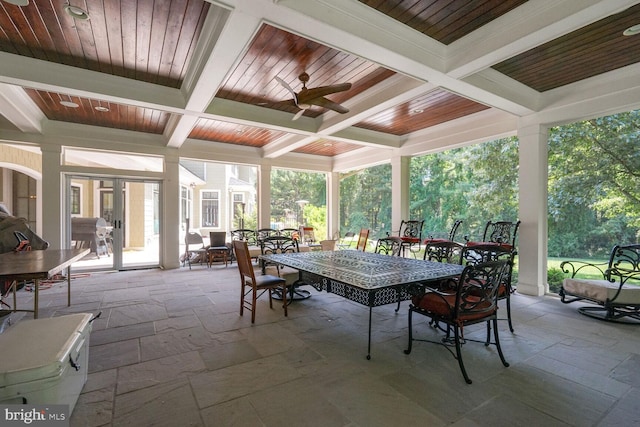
pixel 315 96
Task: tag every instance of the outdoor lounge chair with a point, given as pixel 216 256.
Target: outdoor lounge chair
pixel 616 295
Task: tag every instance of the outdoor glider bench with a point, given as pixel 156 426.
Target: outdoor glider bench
pixel 617 294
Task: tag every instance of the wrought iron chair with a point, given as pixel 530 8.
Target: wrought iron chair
pixel 502 232
pixel 265 232
pixel 617 294
pixel 411 235
pixel 283 245
pixel 389 246
pixel 294 233
pixel 362 240
pixel 473 301
pixel 476 253
pixel 443 251
pixel 451 236
pixel 253 287
pixel 249 236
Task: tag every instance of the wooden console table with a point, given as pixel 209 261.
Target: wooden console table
pixel 38 265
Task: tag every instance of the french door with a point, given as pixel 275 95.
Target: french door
pixel 118 219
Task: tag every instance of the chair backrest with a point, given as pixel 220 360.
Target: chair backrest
pixel 443 251
pixel 278 245
pixel 477 291
pixel 411 229
pixel 454 230
pixel 294 233
pixel 244 234
pixel 192 238
pixel 262 233
pixel 329 245
pixel 308 235
pixel 391 245
pixel 473 253
pixel 243 258
pixel 624 264
pixel 217 238
pixel 503 232
pixel 362 240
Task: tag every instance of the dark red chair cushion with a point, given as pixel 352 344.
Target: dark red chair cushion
pixel 442 306
pixel 504 245
pixel 410 239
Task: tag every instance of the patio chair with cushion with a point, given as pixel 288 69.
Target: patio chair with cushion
pixel 218 251
pixel 473 301
pixel 411 235
pixel 476 253
pixel 616 294
pixel 252 286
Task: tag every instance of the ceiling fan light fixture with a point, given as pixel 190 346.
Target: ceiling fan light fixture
pixel 69 104
pixel 632 31
pixel 76 12
pixel 18 2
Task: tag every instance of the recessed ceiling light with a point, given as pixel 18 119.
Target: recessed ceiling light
pixel 632 31
pixel 101 108
pixel 327 144
pixel 18 2
pixel 69 104
pixel 417 111
pixel 75 12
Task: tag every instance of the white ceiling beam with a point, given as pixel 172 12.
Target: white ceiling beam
pixel 49 76
pixel 19 109
pixel 529 25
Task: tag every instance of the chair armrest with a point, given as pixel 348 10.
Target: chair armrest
pixel 573 267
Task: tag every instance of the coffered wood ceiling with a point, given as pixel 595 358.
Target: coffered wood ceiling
pixel 201 75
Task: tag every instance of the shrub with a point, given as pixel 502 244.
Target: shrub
pixel 554 279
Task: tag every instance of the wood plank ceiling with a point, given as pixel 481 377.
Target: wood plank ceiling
pixel 156 42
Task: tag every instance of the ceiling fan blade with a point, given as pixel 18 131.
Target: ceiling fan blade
pixel 326 103
pixel 306 95
pixel 298 114
pixel 287 87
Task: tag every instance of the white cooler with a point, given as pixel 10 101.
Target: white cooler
pixel 45 361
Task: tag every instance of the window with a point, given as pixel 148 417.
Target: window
pixel 185 204
pixel 76 202
pixel 210 208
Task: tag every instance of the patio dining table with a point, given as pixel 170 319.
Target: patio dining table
pixel 367 278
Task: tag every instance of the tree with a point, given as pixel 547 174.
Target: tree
pixel 594 192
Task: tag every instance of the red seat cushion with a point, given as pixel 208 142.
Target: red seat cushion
pixel 442 306
pixel 504 245
pixel 430 241
pixel 410 239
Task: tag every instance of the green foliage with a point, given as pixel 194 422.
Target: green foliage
pixel 594 191
pixel 365 200
pixel 555 276
pixel 287 187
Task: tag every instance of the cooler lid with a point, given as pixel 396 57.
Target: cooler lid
pixel 36 349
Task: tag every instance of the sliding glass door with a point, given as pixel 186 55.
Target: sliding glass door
pixel 117 219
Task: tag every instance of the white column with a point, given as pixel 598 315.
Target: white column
pixel 532 236
pixel 399 190
pixel 52 195
pixel 170 242
pixel 333 205
pixel 264 195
